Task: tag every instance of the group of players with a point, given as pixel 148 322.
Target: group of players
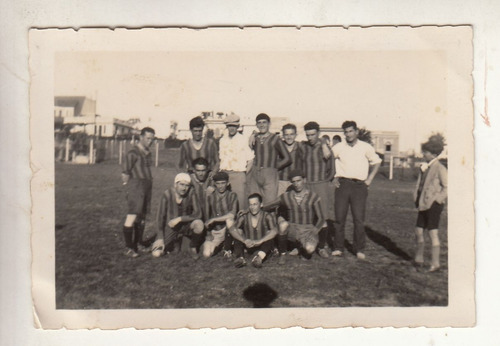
pixel 253 195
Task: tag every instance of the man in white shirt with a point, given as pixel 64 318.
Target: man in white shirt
pixel 235 157
pixel 357 163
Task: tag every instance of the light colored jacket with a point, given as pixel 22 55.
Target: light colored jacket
pixel 435 187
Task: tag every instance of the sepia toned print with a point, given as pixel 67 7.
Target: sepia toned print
pixel 383 91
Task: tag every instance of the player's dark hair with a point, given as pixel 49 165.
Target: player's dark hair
pixel 255 195
pixel 200 161
pixel 147 129
pixel 262 116
pixel 337 138
pixel 349 123
pixel 196 122
pixel 312 125
pixel 289 127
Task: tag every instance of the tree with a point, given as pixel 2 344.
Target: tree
pixel 365 135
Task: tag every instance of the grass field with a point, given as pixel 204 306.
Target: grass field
pixel 92 273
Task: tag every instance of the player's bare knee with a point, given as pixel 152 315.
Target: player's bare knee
pixel 310 248
pixel 207 252
pixel 197 226
pixel 129 220
pixel 283 228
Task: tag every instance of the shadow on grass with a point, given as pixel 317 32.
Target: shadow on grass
pixel 387 243
pixel 260 294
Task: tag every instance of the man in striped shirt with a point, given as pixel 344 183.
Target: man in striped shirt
pixel 198 146
pixel 137 178
pixel 202 184
pixel 289 132
pixel 300 218
pixel 178 215
pixel 319 173
pixel 254 231
pixel 221 211
pixel 271 155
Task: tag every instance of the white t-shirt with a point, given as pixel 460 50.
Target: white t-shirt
pixel 234 152
pixel 354 162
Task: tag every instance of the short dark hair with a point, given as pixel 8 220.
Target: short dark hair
pixel 262 116
pixel 196 122
pixel 289 127
pixel 220 176
pixel 147 129
pixel 312 125
pixel 255 195
pixel 296 173
pixel 435 147
pixel 349 123
pixel 200 161
pixel 337 138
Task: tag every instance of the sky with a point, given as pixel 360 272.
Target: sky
pixel 402 90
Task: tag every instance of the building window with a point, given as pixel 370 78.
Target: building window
pixel 387 147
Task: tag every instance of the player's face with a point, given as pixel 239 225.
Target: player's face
pixel 351 134
pixel 289 136
pixel 201 172
pixel 182 188
pixel 428 156
pixel 263 126
pixel 254 205
pixel 147 139
pixel 221 186
pixel 197 133
pixel 298 183
pixel 312 136
pixel 232 129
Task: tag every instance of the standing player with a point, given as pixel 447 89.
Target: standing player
pixel 235 157
pixel 202 184
pixel 221 210
pixel 178 215
pixel 198 146
pixel 319 172
pixel 430 196
pixel 300 217
pixel 354 159
pixel 254 231
pixel 137 178
pixel 289 132
pixel 270 156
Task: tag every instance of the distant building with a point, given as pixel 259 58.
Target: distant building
pixel 79 114
pixel 386 143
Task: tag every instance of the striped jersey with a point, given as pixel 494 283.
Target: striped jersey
pixel 220 204
pixel 265 223
pixel 269 151
pixel 208 150
pixel 200 191
pixel 314 165
pixel 296 156
pixel 306 212
pixel 137 163
pixel 188 209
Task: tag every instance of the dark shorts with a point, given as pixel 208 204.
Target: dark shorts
pixel 139 196
pixel 429 218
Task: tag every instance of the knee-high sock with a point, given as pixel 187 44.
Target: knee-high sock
pixel 323 233
pixel 282 243
pixel 419 255
pixel 128 235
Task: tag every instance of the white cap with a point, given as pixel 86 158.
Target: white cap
pixel 182 177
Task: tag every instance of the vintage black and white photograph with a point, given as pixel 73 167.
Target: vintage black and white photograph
pixel 197 173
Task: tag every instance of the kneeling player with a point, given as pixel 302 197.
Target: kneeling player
pixel 300 218
pixel 178 215
pixel 254 231
pixel 221 209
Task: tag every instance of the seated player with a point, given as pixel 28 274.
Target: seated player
pixel 221 209
pixel 202 183
pixel 254 231
pixel 300 218
pixel 178 215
